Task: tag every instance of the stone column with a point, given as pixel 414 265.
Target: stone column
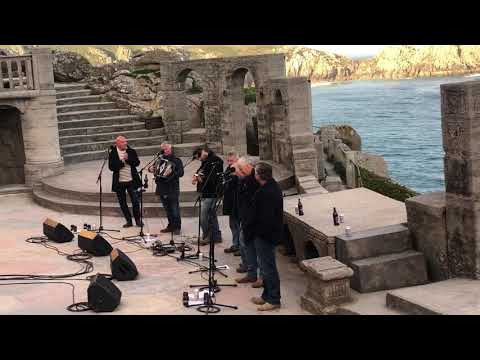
pixel 40 125
pixel 350 169
pixel 320 158
pixel 461 142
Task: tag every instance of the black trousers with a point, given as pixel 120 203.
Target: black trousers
pixel 122 200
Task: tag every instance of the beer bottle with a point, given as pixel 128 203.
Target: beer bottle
pixel 300 208
pixel 335 217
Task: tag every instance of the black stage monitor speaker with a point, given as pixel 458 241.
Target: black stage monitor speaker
pixel 103 295
pixel 93 243
pixel 122 266
pixel 56 231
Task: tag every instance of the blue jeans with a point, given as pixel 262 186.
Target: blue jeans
pixel 172 208
pixel 250 258
pixel 235 228
pixel 271 280
pixel 208 219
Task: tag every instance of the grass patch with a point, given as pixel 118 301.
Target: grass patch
pixel 250 95
pixel 385 186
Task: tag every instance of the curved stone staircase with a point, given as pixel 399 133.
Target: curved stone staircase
pixel 88 124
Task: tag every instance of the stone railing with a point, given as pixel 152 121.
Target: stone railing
pixel 16 73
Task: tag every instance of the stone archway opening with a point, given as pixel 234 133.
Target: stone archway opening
pixel 244 110
pixel 12 155
pixel 310 251
pixel 190 107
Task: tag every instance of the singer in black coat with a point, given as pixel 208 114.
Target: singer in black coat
pixel 115 164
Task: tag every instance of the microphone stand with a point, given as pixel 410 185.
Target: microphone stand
pixel 143 188
pixel 209 306
pixel 99 181
pixel 199 201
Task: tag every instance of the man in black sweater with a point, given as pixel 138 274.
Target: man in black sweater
pixel 207 179
pixel 168 188
pixel 123 162
pixel 264 227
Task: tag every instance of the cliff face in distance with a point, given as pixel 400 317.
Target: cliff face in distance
pixel 394 62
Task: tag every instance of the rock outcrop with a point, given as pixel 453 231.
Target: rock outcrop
pixel 70 67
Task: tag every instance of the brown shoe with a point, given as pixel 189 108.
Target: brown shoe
pixel 268 307
pixel 242 269
pixel 168 229
pixel 245 280
pixel 258 284
pixel 257 300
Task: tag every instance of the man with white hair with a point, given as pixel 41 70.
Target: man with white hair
pixel 123 162
pixel 246 190
pixel 168 188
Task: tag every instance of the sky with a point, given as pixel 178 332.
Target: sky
pixel 352 51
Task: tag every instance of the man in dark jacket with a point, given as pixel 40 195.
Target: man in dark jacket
pixel 264 227
pixel 168 188
pixel 230 206
pixel 123 162
pixel 208 184
pixel 247 187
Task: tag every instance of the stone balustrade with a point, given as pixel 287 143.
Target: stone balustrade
pixel 16 73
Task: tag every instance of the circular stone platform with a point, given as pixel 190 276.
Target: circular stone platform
pixel 76 190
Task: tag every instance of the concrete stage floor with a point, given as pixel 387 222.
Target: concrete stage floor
pixel 161 282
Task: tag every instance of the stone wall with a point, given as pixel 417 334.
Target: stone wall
pixel 38 117
pixel 12 156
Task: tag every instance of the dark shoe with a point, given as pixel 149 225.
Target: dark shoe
pixel 204 242
pixel 128 224
pixel 139 223
pixel 177 231
pixel 218 241
pixel 231 249
pixel 245 280
pixel 168 229
pixel 237 253
pixel 242 269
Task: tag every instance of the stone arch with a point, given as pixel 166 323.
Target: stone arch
pixel 189 106
pixel 310 251
pixel 242 123
pixel 12 155
pixel 277 97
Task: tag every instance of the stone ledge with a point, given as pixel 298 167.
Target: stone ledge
pixel 326 268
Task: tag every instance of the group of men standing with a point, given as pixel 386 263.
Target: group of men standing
pixel 251 198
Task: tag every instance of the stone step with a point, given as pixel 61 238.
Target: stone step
pixel 97 155
pixel 68 109
pixel 82 139
pixel 151 209
pixel 108 196
pixel 73 94
pixel 91 114
pixel 102 145
pixel 104 129
pixel 197 135
pixel 103 121
pixel 390 271
pixel 397 302
pixel 373 242
pixel 80 100
pixel 15 189
pixel 60 87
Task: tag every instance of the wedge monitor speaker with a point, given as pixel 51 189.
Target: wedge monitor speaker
pixel 56 232
pixel 103 295
pixel 93 243
pixel 122 266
